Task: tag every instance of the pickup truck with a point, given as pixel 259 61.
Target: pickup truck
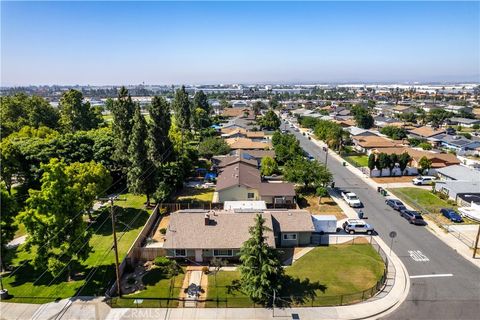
pixel 352 199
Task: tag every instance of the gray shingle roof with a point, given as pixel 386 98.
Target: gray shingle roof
pixel 458 172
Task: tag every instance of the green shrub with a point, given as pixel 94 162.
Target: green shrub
pixel 131 280
pixel 162 262
pixel 163 231
pixel 425 146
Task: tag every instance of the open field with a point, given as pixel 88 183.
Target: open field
pixel 319 278
pixel 29 285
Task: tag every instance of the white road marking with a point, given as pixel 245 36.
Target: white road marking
pixel 417 255
pixel 432 275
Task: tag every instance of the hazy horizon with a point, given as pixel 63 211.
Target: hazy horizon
pixel 163 43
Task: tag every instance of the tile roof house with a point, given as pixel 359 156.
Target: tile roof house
pixel 247 144
pixel 241 181
pixel 365 143
pixel 439 160
pixel 243 133
pixel 236 112
pixel 425 132
pixel 201 235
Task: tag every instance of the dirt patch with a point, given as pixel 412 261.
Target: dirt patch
pixel 393 179
pixel 323 206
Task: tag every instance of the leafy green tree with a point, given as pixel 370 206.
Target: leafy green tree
pixel 213 146
pixel 200 101
pixel 371 161
pixel 286 147
pixel 437 117
pixel 331 133
pixel 425 146
pixel 260 271
pixel 200 119
pixel 425 164
pixel 362 117
pixel 91 180
pixel 10 159
pixel 408 117
pixel 122 110
pixel 403 161
pixel 140 168
pixel 269 121
pixel 257 106
pixel 8 227
pixel 52 220
pixel 383 162
pixel 393 161
pixel 394 132
pixel 77 115
pixel 21 110
pixel 308 173
pixel 268 166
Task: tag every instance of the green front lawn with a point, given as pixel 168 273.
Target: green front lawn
pixel 100 262
pixel 360 161
pixel 319 278
pixel 159 288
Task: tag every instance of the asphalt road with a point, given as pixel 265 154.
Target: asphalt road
pixel 455 297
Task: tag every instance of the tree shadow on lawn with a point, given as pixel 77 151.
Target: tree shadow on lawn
pixel 298 292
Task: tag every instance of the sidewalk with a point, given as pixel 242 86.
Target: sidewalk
pixel 446 237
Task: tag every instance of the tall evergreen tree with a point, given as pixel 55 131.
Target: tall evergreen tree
pixel 139 174
pixel 122 111
pixel 75 114
pixel 158 140
pixel 261 271
pixel 200 101
pixel 182 111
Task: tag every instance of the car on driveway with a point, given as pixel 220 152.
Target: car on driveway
pixel 395 204
pixel 423 180
pixel 451 214
pixel 413 217
pixel 357 226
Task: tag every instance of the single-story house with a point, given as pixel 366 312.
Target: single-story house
pixel 201 235
pixel 346 123
pixel 220 162
pixel 242 181
pixel 243 133
pixel 247 144
pixel 457 109
pixel 401 109
pixel 425 132
pixel 464 122
pixel 356 131
pixel 366 143
pixel 459 172
pixel 236 112
pixel 458 143
pixel 439 160
pixel 458 189
pixel 239 104
pixel 257 154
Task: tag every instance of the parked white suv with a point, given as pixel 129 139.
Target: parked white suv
pixel 357 225
pixel 423 180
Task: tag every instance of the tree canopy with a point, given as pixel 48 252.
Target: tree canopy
pixel 75 114
pixel 363 118
pixel 268 166
pixel 269 121
pixel 213 146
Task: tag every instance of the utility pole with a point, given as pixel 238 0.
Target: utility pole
pixel 273 304
pixel 326 155
pixel 115 246
pixel 476 243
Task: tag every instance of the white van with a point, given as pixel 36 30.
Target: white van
pixel 423 180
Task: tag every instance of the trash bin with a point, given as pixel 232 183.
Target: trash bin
pixel 333 185
pixel 344 163
pixel 379 189
pixel 360 214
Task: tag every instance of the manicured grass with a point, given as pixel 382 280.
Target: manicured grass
pixel 159 287
pixel 361 161
pixel 130 221
pixel 132 201
pixel 195 195
pixel 324 276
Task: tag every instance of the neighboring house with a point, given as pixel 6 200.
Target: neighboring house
pixel 236 112
pixel 460 191
pixel 458 143
pixel 242 133
pixel 221 162
pixel 302 112
pixel 356 131
pixel 346 123
pixel 239 104
pixel 457 109
pixel 382 121
pixel 401 109
pixel 459 172
pixel 247 144
pixel 366 143
pixel 202 235
pixel 238 123
pixel 257 154
pixel 425 132
pixel 241 181
pixel 464 122
pixel 439 160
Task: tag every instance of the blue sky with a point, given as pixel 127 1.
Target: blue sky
pixel 231 42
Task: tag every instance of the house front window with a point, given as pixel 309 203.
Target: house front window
pixel 223 253
pixel 289 236
pixel 250 195
pixel 180 253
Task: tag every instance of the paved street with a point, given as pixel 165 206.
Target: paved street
pixel 437 295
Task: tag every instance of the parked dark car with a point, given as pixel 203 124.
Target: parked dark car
pixel 413 217
pixel 451 214
pixel 395 204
